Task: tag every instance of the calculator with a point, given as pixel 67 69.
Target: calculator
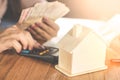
pixel 45 54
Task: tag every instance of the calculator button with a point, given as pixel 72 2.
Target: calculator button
pixel 25 51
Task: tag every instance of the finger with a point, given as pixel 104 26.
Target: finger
pixel 51 23
pixel 47 29
pixel 9 31
pixel 23 40
pixel 37 45
pixel 13 28
pixel 19 37
pixel 5 44
pixel 30 40
pixel 34 34
pixel 41 32
pixel 17 46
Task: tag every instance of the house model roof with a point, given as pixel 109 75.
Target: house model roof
pixel 75 36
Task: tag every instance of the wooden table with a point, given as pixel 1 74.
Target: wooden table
pixel 15 67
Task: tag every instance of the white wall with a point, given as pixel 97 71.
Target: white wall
pixel 93 9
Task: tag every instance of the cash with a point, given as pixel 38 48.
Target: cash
pixel 52 10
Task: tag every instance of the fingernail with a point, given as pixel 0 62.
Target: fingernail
pixel 24 47
pixel 19 51
pixel 30 48
pixel 38 24
pixel 28 28
pixel 38 44
pixel 45 18
pixel 33 26
pixel 43 47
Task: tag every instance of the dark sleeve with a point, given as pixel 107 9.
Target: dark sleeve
pixel 13 10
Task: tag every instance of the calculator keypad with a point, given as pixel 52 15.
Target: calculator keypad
pixel 41 51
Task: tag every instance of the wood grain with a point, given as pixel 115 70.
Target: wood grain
pixel 15 67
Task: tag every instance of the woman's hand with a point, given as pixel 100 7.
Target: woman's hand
pixel 44 30
pixel 15 38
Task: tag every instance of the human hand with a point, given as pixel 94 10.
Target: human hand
pixel 44 30
pixel 15 38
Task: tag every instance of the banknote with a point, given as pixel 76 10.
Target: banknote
pixel 52 10
pixel 24 14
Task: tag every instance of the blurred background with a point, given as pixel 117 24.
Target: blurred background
pixel 92 9
pixel 87 9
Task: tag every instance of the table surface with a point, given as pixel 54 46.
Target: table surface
pixel 15 67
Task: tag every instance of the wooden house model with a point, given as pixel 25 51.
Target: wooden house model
pixel 81 51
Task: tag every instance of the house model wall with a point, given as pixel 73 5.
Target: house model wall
pixel 81 51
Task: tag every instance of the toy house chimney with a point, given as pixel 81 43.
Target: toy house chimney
pixel 76 31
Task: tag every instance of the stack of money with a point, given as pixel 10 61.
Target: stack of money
pixel 52 10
